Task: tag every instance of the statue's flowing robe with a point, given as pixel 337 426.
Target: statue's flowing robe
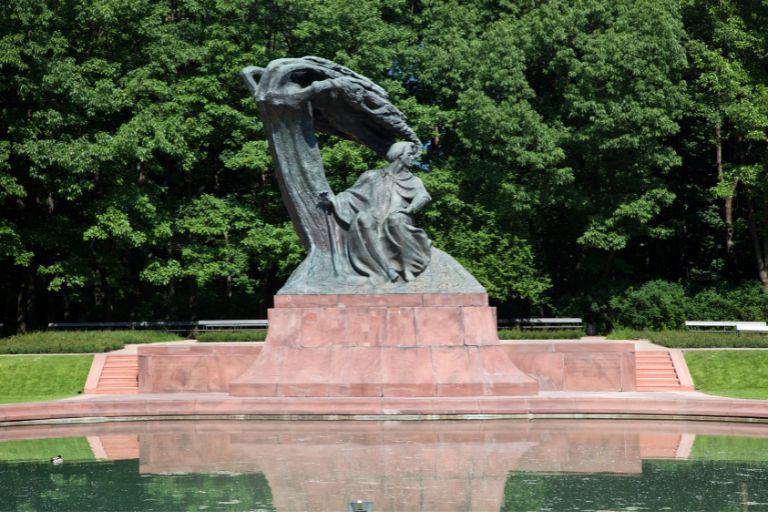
pixel 382 241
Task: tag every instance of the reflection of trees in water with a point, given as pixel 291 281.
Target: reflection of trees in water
pixel 119 486
pixel 700 485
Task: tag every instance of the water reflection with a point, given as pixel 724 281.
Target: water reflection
pixel 400 466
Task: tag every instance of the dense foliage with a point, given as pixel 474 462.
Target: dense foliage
pixel 664 305
pixel 574 149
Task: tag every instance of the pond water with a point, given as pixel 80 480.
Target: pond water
pixel 552 465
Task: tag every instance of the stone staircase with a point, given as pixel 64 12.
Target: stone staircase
pixel 117 374
pixel 661 370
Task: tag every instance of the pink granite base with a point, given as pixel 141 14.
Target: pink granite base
pixel 421 345
pixel 338 371
pixel 202 367
pixel 382 320
pixel 576 366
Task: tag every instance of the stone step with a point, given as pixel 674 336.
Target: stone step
pixel 118 371
pixel 652 375
pixel 655 371
pixel 119 375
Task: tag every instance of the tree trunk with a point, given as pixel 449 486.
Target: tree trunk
pixel 25 302
pixel 21 316
pixel 727 201
pixel 193 299
pixel 759 242
pixel 67 306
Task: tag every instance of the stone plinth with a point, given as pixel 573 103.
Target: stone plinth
pixel 193 368
pixel 399 345
pixel 576 366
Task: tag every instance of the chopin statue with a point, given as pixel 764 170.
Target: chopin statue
pixel 363 239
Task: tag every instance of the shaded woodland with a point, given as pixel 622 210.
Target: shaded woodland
pixel 588 158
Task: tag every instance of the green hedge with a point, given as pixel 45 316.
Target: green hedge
pixel 693 339
pixel 235 335
pixel 79 341
pixel 540 334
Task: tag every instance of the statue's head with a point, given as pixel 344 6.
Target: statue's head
pixel 403 152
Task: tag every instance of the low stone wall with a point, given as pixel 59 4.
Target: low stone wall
pixel 211 367
pixel 576 366
pixel 194 368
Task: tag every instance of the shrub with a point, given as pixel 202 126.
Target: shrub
pixel 656 305
pixel 234 335
pixel 78 341
pixel 746 302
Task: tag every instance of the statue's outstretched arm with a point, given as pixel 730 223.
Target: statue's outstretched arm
pixel 421 200
pixel 251 76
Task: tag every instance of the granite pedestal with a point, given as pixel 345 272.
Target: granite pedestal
pixel 390 345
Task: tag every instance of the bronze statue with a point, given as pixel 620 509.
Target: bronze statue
pixel 362 240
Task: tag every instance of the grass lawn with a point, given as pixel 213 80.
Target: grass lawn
pixel 79 341
pixel 38 378
pixel 734 373
pixel 70 448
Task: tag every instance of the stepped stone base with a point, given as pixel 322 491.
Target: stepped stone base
pixel 398 345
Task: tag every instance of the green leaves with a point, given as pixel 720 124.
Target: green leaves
pixel 570 146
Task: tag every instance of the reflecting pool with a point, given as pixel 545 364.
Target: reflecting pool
pixel 552 465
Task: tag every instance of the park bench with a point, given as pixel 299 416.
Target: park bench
pixel 542 323
pixel 726 326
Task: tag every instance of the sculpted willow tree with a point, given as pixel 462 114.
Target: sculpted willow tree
pixel 364 239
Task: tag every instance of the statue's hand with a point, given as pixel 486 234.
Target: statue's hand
pixel 325 201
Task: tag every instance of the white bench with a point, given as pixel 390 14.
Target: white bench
pixel 720 326
pixel 542 323
pixel 752 328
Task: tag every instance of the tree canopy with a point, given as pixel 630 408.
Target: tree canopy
pixel 574 150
